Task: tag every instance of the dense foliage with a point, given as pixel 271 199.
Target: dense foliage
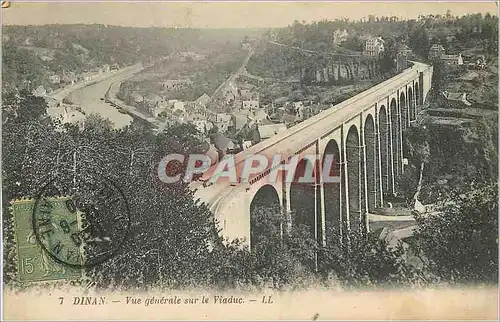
pixel 30 54
pixel 461 245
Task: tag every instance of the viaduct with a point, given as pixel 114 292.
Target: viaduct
pixel 363 133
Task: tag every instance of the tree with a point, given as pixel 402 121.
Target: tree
pixel 461 244
pixel 365 259
pixel 419 41
pixel 387 62
pixel 353 43
pixel 438 78
pixel 170 230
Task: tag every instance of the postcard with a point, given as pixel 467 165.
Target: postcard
pixel 249 160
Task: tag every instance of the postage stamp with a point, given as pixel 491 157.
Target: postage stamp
pixel 34 263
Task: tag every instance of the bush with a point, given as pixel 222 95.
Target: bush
pixel 365 259
pixel 461 244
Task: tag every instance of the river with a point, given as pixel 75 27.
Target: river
pixel 89 99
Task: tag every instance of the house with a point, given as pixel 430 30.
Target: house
pixel 105 69
pixel 69 78
pixel 374 46
pixel 88 76
pixel 239 120
pixel 250 105
pixel 263 132
pixel 222 143
pixel 246 46
pixel 248 95
pixel 290 119
pixel 457 97
pixel 456 60
pixel 298 105
pixel 405 50
pixel 339 36
pixel 202 101
pixel 55 79
pixel 199 120
pixel 230 93
pixel 223 121
pixel 210 151
pixel 246 145
pixel 156 110
pixel 40 91
pixel 179 106
pixel 202 125
pixel 436 51
pixel 259 116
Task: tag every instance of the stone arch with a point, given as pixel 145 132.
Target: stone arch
pixel 404 110
pixel 371 151
pixel 411 105
pixel 355 178
pixel 265 214
pixel 385 149
pixel 302 199
pixel 332 193
pixel 396 136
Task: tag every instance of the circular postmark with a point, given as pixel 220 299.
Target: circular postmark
pixel 80 219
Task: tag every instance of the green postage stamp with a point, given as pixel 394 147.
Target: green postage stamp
pixel 34 262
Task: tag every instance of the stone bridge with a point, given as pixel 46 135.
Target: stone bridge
pixel 363 133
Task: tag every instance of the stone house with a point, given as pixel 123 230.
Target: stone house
pixel 374 46
pixel 436 51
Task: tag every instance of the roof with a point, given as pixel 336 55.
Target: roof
pixel 195 117
pixel 240 119
pixel 251 102
pixel 289 118
pixel 450 56
pixel 266 131
pixel 203 99
pixel 451 121
pixel 222 117
pixel 437 46
pixel 178 105
pixel 455 96
pixel 222 142
pixel 259 114
pixel 266 122
pixel 282 99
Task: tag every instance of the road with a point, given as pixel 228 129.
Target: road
pixel 111 97
pixel 89 98
pixel 233 76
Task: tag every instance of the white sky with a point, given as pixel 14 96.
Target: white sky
pixel 222 14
